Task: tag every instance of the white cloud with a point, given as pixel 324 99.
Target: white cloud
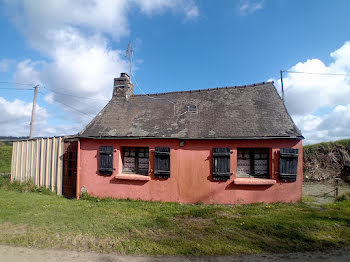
pixel 26 72
pixel 80 68
pixel 17 113
pixel 76 38
pixel 250 6
pixel 151 7
pixel 39 20
pixel 49 98
pixel 329 127
pixel 5 64
pixel 15 117
pixel 308 95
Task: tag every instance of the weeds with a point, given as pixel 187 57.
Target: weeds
pixel 29 186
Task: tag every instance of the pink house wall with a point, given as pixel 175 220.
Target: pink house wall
pixel 190 179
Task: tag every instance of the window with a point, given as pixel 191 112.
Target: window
pixel 253 162
pixel 162 162
pixel 221 163
pixel 106 160
pixel 135 160
pixel 288 164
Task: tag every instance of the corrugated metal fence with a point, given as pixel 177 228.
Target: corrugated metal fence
pixel 39 160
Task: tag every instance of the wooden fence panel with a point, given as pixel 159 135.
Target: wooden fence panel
pixel 40 161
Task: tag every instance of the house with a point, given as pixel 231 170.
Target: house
pixel 223 145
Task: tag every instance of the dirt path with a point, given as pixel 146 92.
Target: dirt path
pixel 22 254
pixel 323 193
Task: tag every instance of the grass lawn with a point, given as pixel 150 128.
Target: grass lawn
pixel 41 219
pixel 5 158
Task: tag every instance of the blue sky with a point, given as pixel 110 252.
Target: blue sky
pixel 77 48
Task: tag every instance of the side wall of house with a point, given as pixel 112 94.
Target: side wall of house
pixel 190 180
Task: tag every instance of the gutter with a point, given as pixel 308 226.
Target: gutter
pixel 201 138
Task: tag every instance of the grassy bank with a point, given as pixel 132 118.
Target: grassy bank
pixel 5 158
pixel 138 227
pixel 325 161
pixel 326 146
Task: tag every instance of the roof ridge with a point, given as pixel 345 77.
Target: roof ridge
pixel 206 89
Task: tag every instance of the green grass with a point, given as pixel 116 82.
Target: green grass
pixel 326 146
pixel 5 158
pixel 36 219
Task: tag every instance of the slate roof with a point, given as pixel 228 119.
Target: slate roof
pixel 242 112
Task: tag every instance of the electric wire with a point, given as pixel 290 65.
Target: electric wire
pixel 81 112
pixel 10 88
pixel 157 98
pixel 60 93
pixel 73 108
pixel 306 73
pixel 17 83
pixel 71 95
pixel 13 120
pixel 311 73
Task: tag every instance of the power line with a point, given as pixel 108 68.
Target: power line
pixel 158 98
pixel 11 121
pixel 81 112
pixel 73 98
pixel 10 88
pixel 310 73
pixel 17 83
pixel 27 84
pixel 65 94
pixel 306 73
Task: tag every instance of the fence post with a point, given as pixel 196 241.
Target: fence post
pixel 47 163
pixel 59 167
pixel 53 169
pixel 37 158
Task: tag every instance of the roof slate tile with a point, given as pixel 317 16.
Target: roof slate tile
pixel 254 111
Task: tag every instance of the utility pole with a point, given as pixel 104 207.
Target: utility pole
pixel 33 111
pixel 281 72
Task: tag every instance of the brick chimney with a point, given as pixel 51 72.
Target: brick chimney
pixel 123 87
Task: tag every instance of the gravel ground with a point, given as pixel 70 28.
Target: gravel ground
pixel 22 254
pixel 318 191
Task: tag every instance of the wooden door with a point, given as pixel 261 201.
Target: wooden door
pixel 69 180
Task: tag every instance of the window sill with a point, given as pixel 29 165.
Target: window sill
pixel 253 181
pixel 133 177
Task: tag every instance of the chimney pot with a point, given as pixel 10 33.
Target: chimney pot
pixel 124 75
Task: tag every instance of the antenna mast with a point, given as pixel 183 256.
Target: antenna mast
pixel 129 54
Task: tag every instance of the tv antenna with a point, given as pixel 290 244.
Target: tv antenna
pixel 128 55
